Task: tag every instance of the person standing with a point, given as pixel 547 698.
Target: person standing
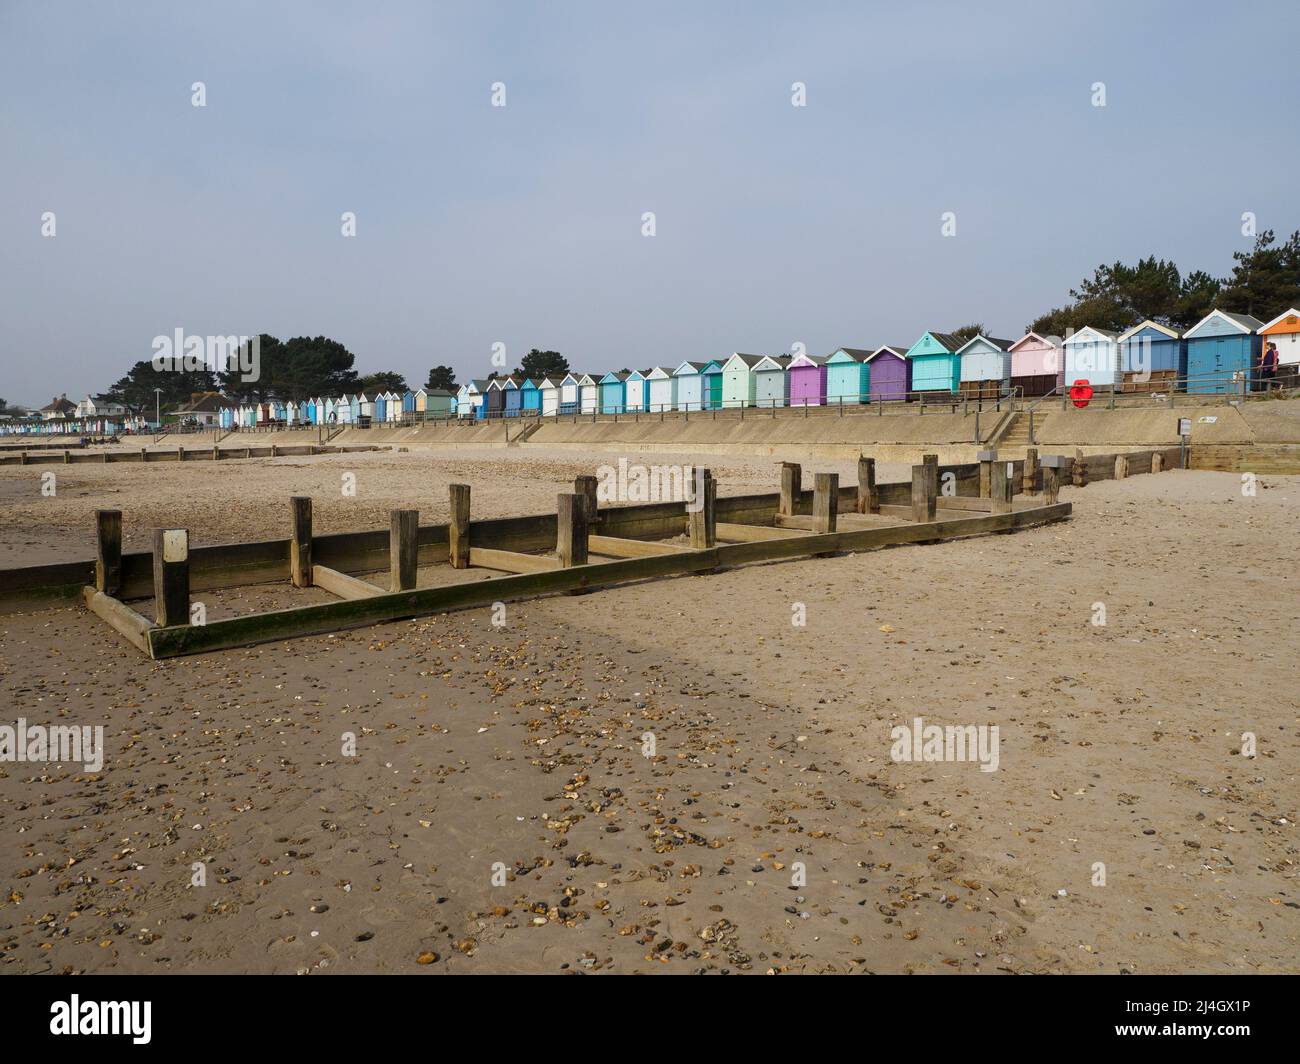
pixel 1267 366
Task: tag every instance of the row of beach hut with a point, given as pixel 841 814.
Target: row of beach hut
pixel 1149 356
pixel 386 407
pixel 1215 355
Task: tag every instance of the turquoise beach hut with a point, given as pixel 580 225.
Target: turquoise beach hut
pixel 847 377
pixel 711 387
pixel 935 365
pixel 530 397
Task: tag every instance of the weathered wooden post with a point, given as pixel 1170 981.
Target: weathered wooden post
pixel 924 500
pixel 180 454
pixel 1029 484
pixel 67 457
pixel 826 499
pixel 275 451
pixel 931 462
pixel 791 486
pixel 144 454
pixel 171 576
pixel 868 494
pixel 1053 465
pixel 1001 482
pixel 300 541
pixel 585 486
pixel 403 548
pixel 1080 469
pixel 986 460
pixel 216 453
pixel 108 551
pixel 571 530
pixel 1121 467
pixel 458 527
pixel 1157 462
pixel 701 520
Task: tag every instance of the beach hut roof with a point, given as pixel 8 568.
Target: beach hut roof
pixel 857 354
pixel 615 376
pixel 1173 334
pixel 1055 341
pixel 510 382
pixel 1292 313
pixel 549 382
pixel 947 340
pixel 638 374
pixel 586 378
pixel 688 367
pixel 658 373
pixel 1081 336
pixel 773 362
pixel 439 391
pixel 807 359
pixel 742 359
pixel 1001 345
pixel 897 350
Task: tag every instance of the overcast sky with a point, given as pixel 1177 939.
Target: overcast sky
pixel 775 224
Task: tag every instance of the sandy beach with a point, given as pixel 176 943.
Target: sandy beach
pixel 500 812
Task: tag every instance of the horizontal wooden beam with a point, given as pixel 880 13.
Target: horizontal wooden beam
pixel 342 585
pixel 614 547
pixel 738 533
pixel 337 616
pixel 120 617
pixel 509 561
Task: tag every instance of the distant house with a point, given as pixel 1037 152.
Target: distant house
pixel 58 408
pixel 204 408
pixel 91 407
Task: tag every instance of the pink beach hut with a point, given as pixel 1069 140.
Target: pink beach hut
pixel 1037 364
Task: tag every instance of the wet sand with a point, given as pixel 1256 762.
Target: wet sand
pixel 518 750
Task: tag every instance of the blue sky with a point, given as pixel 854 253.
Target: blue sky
pixel 522 224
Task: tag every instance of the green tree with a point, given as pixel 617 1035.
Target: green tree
pixel 968 332
pixel 1266 279
pixel 1118 296
pixel 543 364
pixel 383 381
pixel 145 389
pixel 441 377
pixel 300 368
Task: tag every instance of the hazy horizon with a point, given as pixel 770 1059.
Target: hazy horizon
pixel 522 224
